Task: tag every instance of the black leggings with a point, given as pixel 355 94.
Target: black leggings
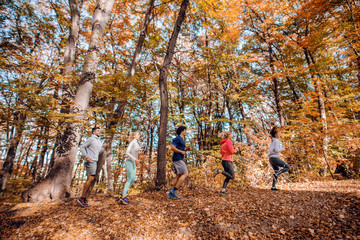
pixel 228 172
pixel 276 163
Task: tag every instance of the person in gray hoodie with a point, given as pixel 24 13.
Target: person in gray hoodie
pixel 90 149
pixel 274 157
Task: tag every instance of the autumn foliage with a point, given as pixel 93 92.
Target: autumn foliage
pixel 242 65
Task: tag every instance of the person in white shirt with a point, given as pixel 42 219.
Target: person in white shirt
pixel 274 157
pixel 132 153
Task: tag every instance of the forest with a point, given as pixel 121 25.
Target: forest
pixel 242 66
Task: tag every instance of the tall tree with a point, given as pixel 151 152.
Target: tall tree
pixel 164 71
pixel 68 69
pixel 57 183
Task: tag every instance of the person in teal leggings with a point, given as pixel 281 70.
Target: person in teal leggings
pixel 132 153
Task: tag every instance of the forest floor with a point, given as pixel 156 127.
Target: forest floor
pixel 314 210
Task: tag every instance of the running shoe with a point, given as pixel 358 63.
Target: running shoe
pixel 124 201
pixel 274 189
pixel 174 194
pixel 171 194
pixel 224 192
pixel 217 171
pixel 82 202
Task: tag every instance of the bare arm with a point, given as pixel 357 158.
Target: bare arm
pixel 174 149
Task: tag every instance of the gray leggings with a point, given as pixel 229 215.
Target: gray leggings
pixel 276 163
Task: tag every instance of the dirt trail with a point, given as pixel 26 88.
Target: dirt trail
pixel 316 210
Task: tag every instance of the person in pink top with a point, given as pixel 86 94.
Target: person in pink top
pixel 227 152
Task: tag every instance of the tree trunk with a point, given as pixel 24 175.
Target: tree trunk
pixel 57 183
pixel 208 125
pixel 34 165
pixel 21 160
pixel 150 150
pixel 241 107
pixel 70 46
pixel 8 165
pixel 227 102
pixel 295 95
pixel 275 89
pixel 67 70
pixel 110 177
pixel 26 162
pixel 164 71
pixel 43 153
pixel 246 128
pixel 310 61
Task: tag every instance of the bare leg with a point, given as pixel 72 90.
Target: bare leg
pixel 89 180
pixel 180 179
pixel 177 176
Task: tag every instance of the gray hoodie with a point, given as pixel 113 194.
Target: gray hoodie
pixel 275 148
pixel 91 148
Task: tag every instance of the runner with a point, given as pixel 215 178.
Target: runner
pixel 90 149
pixel 274 157
pixel 130 163
pixel 227 152
pixel 180 169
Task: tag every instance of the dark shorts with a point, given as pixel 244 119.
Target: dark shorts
pixel 180 167
pixel 90 168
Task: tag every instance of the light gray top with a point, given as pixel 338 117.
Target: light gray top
pixel 133 150
pixel 275 148
pixel 91 148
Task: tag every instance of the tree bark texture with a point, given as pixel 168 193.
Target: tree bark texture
pixel 295 95
pixel 58 182
pixel 164 71
pixel 70 46
pixel 68 70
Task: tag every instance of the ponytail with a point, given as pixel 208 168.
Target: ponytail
pixel 274 131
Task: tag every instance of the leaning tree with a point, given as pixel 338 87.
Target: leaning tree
pixel 57 183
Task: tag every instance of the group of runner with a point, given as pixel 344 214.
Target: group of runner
pixel 92 147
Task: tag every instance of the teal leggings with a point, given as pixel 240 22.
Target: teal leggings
pixel 131 173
